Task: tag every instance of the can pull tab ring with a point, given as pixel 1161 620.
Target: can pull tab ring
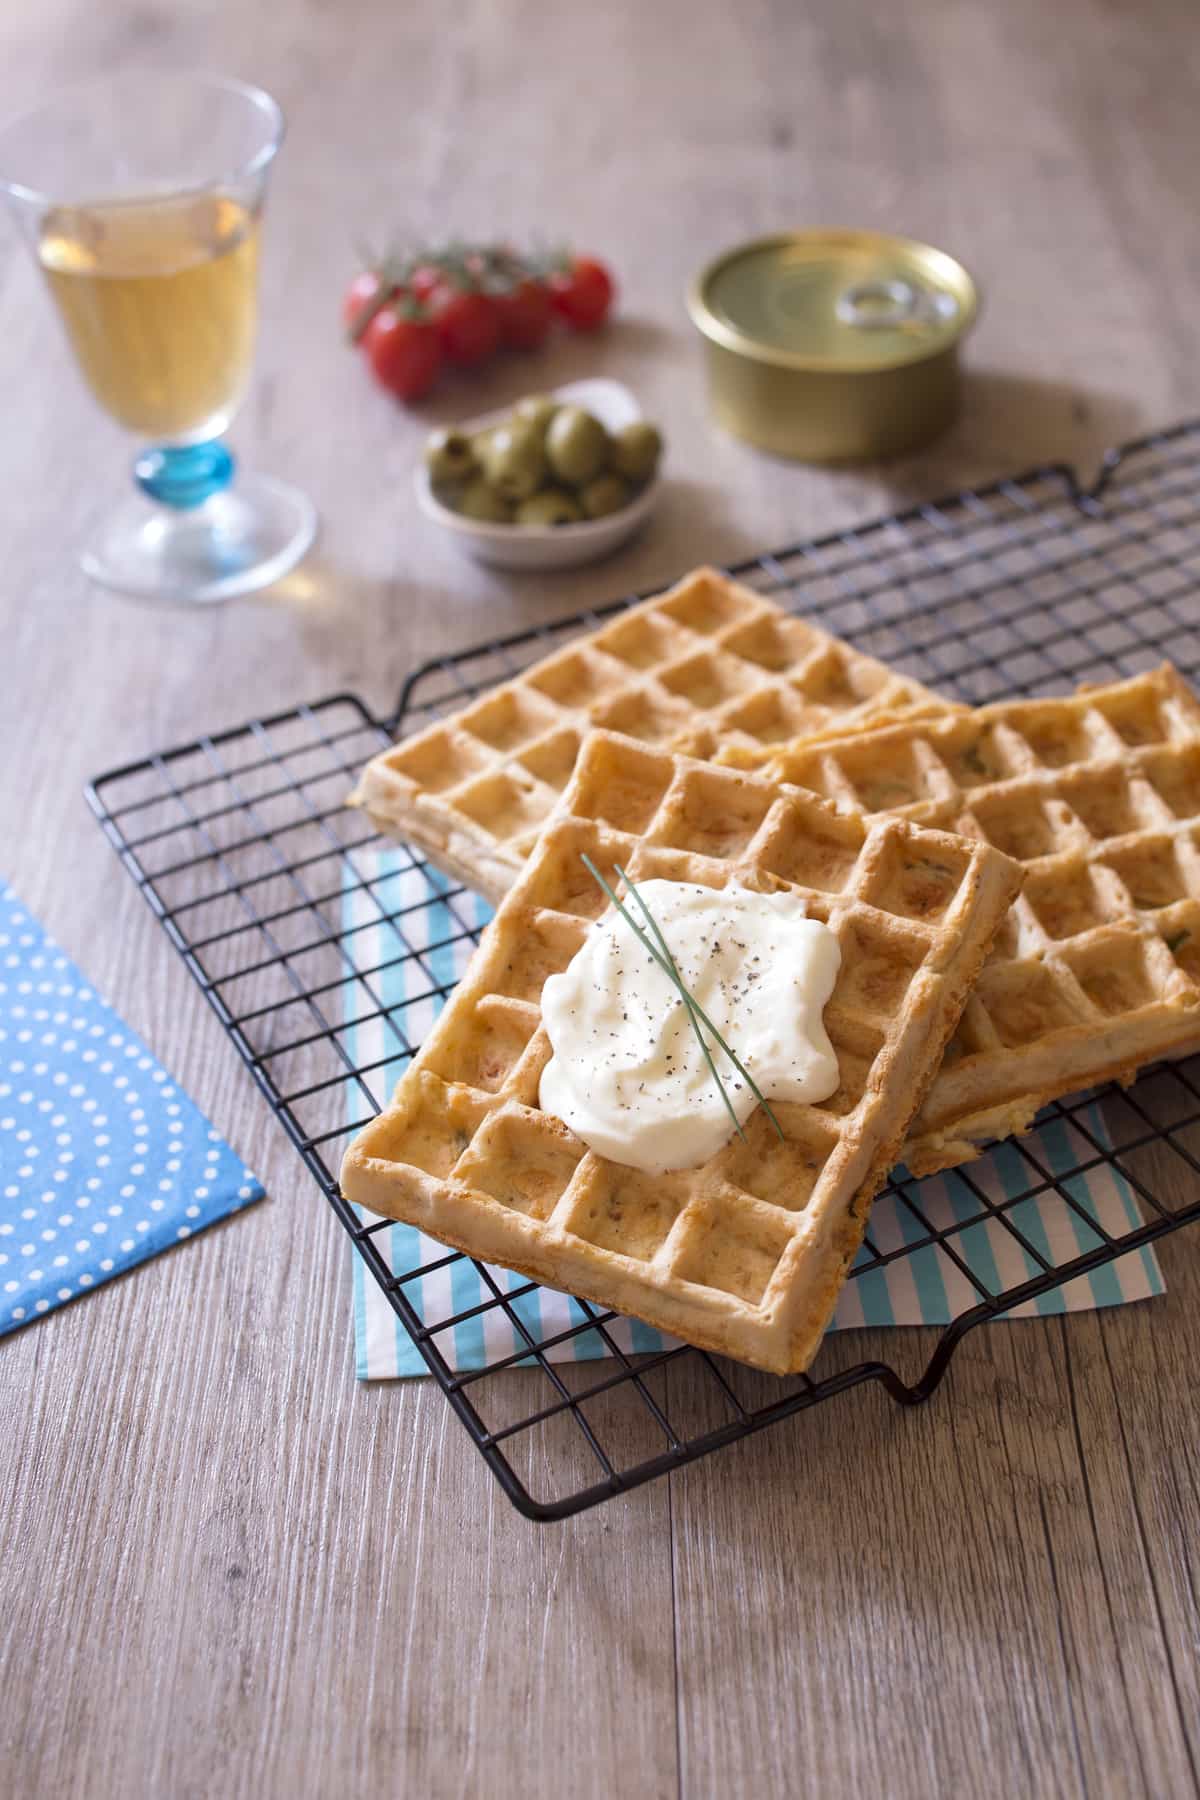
pixel 884 305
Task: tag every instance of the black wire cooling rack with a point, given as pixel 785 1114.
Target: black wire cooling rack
pixel 242 846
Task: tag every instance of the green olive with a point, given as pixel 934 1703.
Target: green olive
pixel 536 410
pixel 449 456
pixel 479 444
pixel 553 506
pixel 513 462
pixel 481 502
pixel 636 450
pixel 576 445
pixel 604 494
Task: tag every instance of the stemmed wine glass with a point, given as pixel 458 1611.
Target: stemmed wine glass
pixel 141 198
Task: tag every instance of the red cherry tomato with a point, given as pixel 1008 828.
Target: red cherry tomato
pixel 468 325
pixel 404 354
pixel 526 313
pixel 358 296
pixel 583 293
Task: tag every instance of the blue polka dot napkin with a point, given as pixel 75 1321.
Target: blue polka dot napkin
pixel 103 1162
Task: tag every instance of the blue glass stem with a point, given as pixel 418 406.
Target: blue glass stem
pixel 184 475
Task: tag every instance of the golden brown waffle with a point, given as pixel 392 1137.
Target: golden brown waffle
pixel 1097 970
pixel 744 1254
pixel 708 662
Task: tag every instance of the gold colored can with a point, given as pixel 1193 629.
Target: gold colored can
pixel 834 346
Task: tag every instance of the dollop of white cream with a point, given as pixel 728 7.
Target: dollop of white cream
pixel 628 1075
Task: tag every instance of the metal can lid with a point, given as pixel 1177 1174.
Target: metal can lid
pixel 834 300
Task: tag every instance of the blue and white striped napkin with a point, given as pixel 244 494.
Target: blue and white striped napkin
pixel 925 1288
pixel 103 1161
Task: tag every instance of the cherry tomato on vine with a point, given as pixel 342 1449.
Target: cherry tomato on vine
pixel 358 296
pixel 526 314
pixel 583 293
pixel 404 353
pixel 468 325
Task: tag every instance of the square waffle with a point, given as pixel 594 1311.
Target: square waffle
pixel 707 662
pixel 1097 970
pixel 745 1253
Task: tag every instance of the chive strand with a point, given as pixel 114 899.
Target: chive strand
pixel 695 1004
pixel 667 964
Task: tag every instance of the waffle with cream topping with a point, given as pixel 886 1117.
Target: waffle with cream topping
pixel 744 1254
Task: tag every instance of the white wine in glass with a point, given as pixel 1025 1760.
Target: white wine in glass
pixel 153 266
pixel 159 302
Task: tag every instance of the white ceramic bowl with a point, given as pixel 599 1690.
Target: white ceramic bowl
pixel 548 546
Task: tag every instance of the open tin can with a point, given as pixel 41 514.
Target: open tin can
pixel 834 346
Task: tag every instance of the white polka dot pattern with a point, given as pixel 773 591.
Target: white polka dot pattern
pixel 91 1131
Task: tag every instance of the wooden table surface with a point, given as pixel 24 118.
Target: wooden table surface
pixel 227 1568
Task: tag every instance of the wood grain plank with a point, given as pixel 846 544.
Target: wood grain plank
pixel 225 1566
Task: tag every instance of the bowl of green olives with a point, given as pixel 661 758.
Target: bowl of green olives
pixel 557 480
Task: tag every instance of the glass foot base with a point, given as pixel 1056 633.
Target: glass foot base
pixel 243 538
